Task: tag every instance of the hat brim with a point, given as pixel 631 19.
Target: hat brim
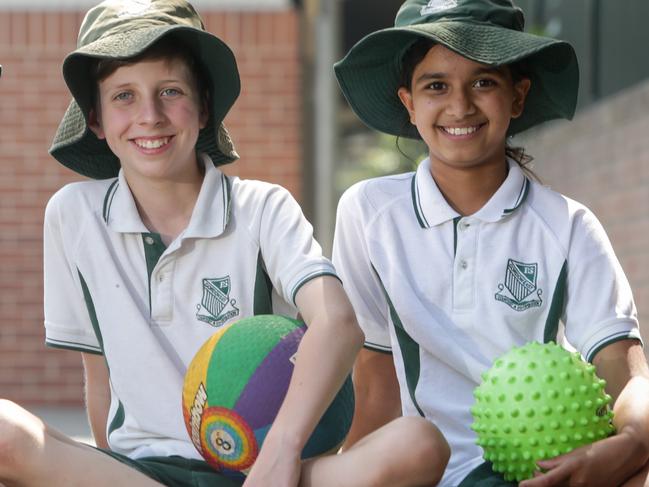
pixel 76 146
pixel 370 74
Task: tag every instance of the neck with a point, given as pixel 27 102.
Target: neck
pixel 468 189
pixel 166 207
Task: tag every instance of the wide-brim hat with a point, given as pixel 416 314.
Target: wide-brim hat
pixel 486 31
pixel 123 29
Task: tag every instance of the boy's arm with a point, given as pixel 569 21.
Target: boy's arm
pixel 97 396
pixel 612 461
pixel 324 359
pixel 376 394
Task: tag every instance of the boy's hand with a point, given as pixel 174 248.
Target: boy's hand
pixel 605 463
pixel 274 467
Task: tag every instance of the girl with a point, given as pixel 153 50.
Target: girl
pixel 451 266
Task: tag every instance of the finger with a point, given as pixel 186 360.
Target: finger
pixel 554 477
pixel 550 463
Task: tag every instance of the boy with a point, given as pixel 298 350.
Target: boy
pixel 128 254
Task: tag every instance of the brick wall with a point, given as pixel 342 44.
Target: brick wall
pixel 601 159
pixel 265 125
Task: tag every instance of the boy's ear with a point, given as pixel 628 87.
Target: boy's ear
pixel 521 89
pixel 204 116
pixel 406 98
pixel 95 125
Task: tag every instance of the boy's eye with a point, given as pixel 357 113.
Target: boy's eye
pixel 170 92
pixel 123 96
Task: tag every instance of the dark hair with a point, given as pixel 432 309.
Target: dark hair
pixel 417 51
pixel 168 48
pixel 411 58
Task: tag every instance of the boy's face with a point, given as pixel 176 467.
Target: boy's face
pixel 150 114
pixel 462 109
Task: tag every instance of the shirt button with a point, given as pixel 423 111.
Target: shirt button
pixel 464 264
pixel 149 240
pixel 465 225
pixel 161 278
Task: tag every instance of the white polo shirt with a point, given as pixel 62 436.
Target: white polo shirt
pixel 447 294
pixel 112 288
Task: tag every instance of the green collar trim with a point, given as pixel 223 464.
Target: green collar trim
pixel 108 199
pixel 416 203
pixel 522 196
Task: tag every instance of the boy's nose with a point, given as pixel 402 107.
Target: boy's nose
pixel 460 104
pixel 151 112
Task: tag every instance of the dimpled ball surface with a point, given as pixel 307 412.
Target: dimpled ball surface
pixel 235 385
pixel 536 402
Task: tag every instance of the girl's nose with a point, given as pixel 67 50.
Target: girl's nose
pixel 460 104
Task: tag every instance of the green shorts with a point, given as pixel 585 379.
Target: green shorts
pixel 177 471
pixel 484 476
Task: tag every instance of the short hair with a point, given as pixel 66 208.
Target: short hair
pixel 168 48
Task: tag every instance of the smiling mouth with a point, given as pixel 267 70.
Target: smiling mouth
pixel 458 131
pixel 152 143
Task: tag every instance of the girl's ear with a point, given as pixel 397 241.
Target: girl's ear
pixel 95 125
pixel 406 98
pixel 521 89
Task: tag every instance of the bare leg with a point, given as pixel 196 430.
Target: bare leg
pixel 34 454
pixel 407 452
pixel 639 480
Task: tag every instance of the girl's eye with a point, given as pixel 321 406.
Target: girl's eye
pixel 484 83
pixel 436 85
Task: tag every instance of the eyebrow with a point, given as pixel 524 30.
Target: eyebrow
pixel 130 83
pixel 477 72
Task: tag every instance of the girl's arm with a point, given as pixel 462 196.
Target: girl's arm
pixel 97 396
pixel 624 367
pixel 614 460
pixel 376 394
pixel 324 359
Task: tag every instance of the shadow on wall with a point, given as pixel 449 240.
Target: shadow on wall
pixel 601 159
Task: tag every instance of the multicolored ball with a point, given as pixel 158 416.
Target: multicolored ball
pixel 235 385
pixel 536 402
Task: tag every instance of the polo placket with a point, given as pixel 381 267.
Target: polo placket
pixel 160 269
pixel 464 269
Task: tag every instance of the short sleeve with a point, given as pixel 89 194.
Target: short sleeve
pixel 67 321
pixel 599 303
pixel 353 264
pixel 290 253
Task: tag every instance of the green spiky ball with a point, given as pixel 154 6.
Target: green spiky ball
pixel 536 402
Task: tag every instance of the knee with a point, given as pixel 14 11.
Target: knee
pixel 15 438
pixel 429 451
pixel 414 452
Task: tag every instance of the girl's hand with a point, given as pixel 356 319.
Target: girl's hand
pixel 605 463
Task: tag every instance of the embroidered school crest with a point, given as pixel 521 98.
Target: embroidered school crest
pixel 520 283
pixel 216 306
pixel 435 6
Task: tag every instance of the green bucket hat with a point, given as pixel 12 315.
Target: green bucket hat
pixel 486 31
pixel 123 29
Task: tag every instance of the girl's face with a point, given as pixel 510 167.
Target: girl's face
pixel 150 114
pixel 462 108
